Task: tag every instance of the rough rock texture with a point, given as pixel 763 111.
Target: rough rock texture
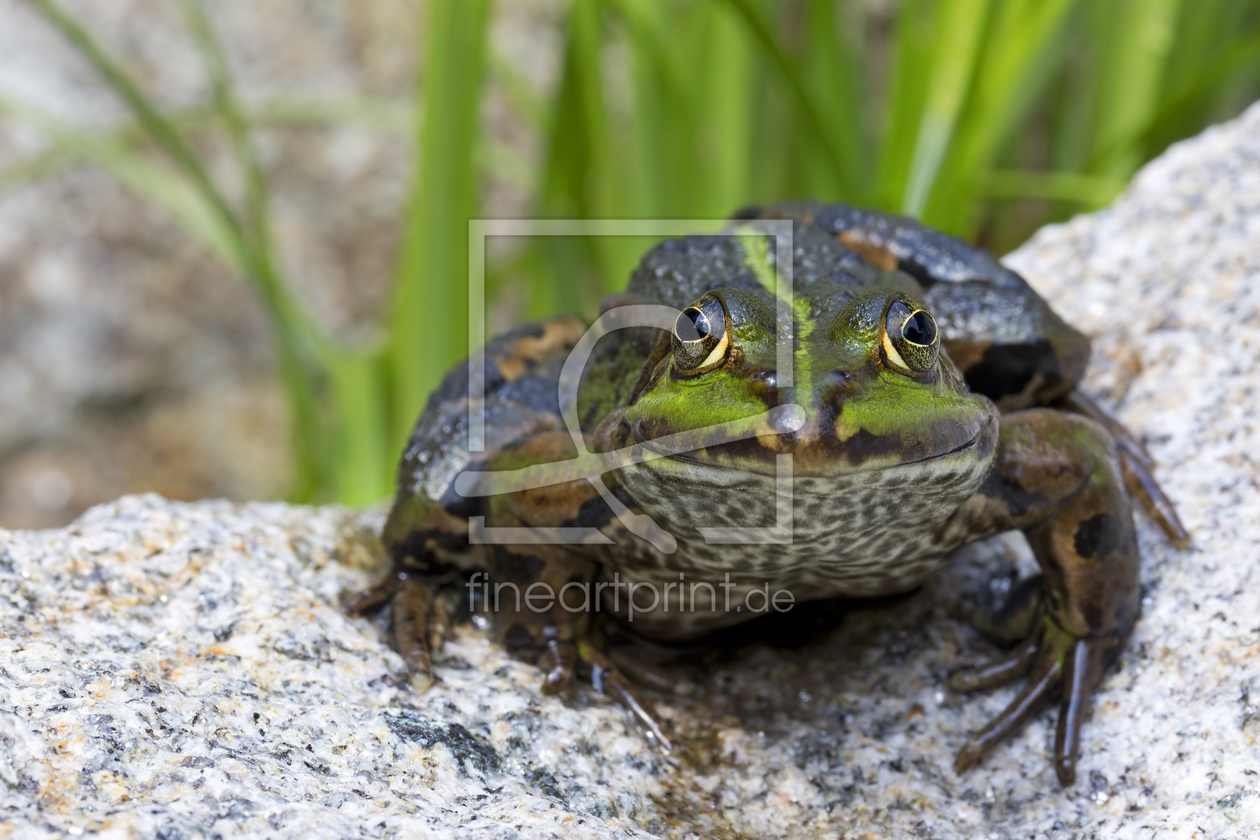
pixel 171 669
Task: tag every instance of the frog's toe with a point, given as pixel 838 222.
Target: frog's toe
pixel 607 679
pixel 643 674
pixel 1059 666
pixel 1082 672
pixel 412 607
pixel 420 615
pixel 372 599
pixel 1043 676
pixel 560 663
pixel 549 646
pixel 996 671
pixel 563 651
pixel 1139 477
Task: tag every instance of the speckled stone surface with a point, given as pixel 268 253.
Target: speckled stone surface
pixel 180 670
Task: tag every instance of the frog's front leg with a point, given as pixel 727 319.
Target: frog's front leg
pixel 1056 478
pixel 541 599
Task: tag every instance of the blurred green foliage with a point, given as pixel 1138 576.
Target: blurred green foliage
pixel 985 118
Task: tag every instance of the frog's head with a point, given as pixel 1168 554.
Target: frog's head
pixel 868 388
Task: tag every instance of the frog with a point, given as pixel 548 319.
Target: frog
pixel 758 443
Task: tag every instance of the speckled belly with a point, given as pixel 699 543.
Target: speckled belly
pixel 865 534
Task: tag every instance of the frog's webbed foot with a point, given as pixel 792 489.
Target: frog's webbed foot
pixel 1137 465
pixel 421 612
pixel 1058 666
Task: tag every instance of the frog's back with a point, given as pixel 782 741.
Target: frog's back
pixel 679 271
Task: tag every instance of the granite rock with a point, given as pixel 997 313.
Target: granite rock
pixel 183 669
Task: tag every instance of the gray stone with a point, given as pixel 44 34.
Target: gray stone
pixel 183 669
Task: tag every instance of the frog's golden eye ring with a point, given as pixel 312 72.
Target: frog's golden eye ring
pixel 911 340
pixel 700 337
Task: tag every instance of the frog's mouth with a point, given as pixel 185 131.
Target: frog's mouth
pixel 817 454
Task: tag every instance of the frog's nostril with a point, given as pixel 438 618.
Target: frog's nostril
pixel 765 384
pixel 837 387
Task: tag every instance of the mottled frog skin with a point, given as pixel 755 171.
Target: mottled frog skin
pixel 931 403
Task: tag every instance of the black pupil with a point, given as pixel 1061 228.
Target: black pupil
pixel 920 328
pixel 695 327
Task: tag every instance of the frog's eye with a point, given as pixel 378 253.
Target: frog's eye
pixel 911 342
pixel 700 338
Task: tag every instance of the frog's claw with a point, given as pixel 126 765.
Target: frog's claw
pixel 412 605
pixel 1030 698
pixel 372 599
pixel 555 652
pixel 1137 465
pixel 1141 483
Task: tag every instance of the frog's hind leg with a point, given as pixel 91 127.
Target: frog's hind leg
pixel 1056 478
pixel 1137 464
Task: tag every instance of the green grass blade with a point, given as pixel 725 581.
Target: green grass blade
pixel 586 176
pixel 834 75
pixel 903 104
pixel 1133 41
pixel 362 469
pixel 602 179
pixel 811 109
pixel 1025 46
pixel 1191 105
pixel 377 115
pixel 525 101
pixel 356 463
pixel 960 31
pixel 1075 187
pixel 146 112
pixel 386 116
pixel 724 116
pixel 663 126
pixel 37 167
pixel 296 359
pixel 225 103
pixel 428 331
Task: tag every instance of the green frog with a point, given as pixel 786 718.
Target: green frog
pixel 724 443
